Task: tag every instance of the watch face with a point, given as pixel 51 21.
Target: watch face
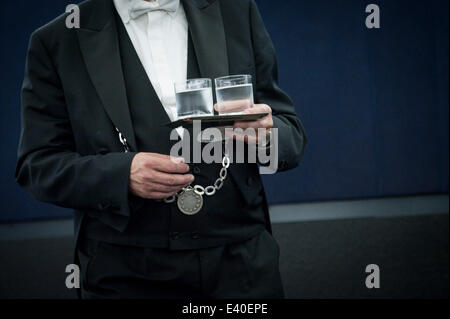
pixel 190 203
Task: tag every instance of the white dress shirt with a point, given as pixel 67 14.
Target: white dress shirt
pixel 160 39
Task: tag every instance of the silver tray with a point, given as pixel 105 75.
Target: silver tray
pixel 216 120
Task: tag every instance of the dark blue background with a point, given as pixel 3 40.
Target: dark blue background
pixel 374 102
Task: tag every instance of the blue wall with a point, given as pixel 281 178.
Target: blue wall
pixel 374 102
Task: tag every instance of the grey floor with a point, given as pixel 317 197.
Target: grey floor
pixel 320 258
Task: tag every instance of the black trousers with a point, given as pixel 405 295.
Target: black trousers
pixel 245 270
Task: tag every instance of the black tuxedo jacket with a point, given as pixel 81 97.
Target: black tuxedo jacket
pixel 74 98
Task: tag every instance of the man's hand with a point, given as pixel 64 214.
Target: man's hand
pixel 264 123
pixel 157 176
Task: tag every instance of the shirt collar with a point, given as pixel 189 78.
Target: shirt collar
pixel 123 6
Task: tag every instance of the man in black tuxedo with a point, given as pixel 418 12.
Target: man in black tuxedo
pixel 84 87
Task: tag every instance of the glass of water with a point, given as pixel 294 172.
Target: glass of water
pixel 234 94
pixel 194 98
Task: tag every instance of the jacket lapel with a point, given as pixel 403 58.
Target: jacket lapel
pixel 100 49
pixel 208 36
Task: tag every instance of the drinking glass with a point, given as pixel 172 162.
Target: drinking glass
pixel 194 98
pixel 234 94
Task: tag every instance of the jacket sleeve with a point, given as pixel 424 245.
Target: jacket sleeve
pixel 291 134
pixel 48 165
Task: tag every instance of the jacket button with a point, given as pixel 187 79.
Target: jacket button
pixel 195 236
pixel 250 181
pixel 174 235
pixel 196 170
pixel 103 207
pixel 103 151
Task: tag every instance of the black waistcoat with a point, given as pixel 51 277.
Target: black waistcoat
pixel 225 217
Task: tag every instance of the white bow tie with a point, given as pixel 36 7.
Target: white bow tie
pixel 140 7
